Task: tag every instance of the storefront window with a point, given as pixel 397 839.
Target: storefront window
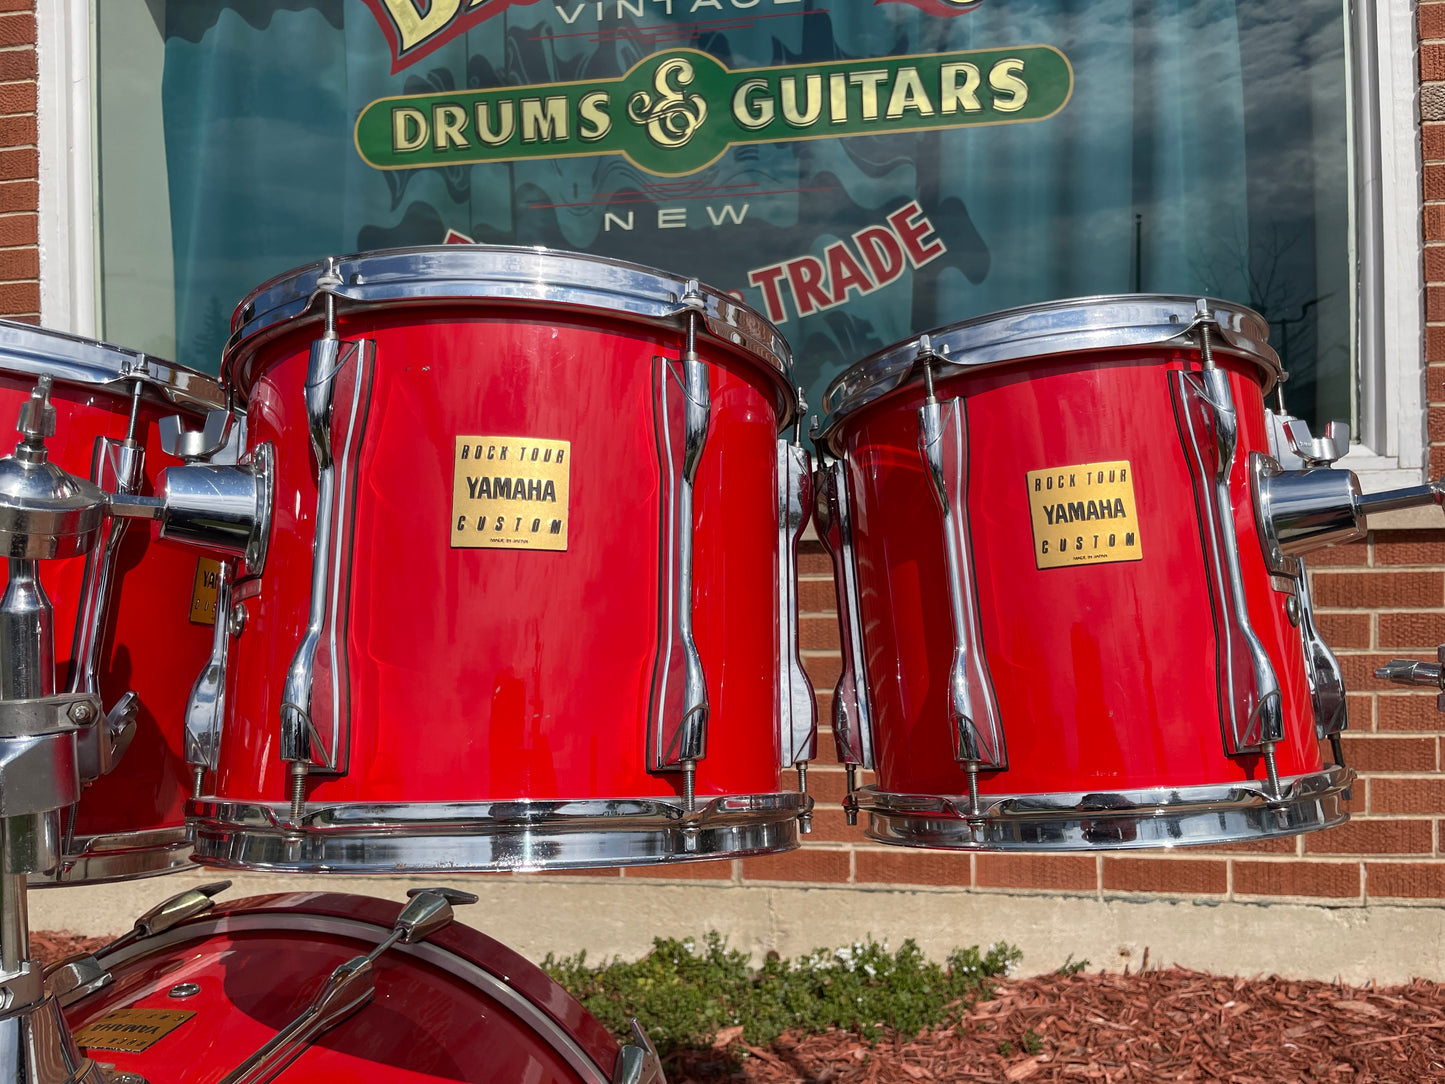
pixel 860 171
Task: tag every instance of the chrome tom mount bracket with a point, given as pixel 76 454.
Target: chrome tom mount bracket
pixel 1430 675
pixel 118 467
pixel 678 705
pixel 979 743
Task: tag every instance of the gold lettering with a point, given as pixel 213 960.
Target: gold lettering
pixel 408 129
pixel 801 118
pixel 954 97
pixel 595 121
pixel 1003 77
pixel 908 93
pixel 412 27
pixel 544 119
pixel 750 111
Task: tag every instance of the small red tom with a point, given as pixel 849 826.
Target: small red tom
pixel 138 609
pixel 1061 626
pixel 530 602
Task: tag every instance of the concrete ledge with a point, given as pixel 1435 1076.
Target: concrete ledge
pixel 1389 944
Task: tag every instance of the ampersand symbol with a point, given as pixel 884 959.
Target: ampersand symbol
pixel 671 117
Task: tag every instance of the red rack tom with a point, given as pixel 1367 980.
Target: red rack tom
pixel 1061 630
pixel 530 598
pixel 140 624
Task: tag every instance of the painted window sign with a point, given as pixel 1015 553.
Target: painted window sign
pixel 860 172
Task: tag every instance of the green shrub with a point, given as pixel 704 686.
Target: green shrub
pixel 685 993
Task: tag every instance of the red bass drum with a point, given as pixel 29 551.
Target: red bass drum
pixel 200 1001
pixel 1061 627
pixel 138 609
pixel 530 601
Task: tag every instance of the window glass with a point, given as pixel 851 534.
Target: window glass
pixel 861 172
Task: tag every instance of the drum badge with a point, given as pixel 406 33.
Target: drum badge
pixel 1084 514
pixel 510 493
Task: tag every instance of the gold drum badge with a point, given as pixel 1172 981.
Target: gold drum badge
pixel 510 493
pixel 1084 515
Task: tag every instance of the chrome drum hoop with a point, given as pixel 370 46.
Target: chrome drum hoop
pixel 509 274
pixel 73 359
pixel 492 837
pixel 1104 821
pixel 1052 328
pixel 119 856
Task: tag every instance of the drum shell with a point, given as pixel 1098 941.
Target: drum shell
pixel 490 674
pixel 459 1007
pixel 150 646
pixel 1105 674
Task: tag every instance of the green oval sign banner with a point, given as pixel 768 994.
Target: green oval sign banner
pixel 678 111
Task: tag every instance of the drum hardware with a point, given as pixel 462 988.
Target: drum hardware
pixel 943 443
pixel 490 836
pixel 1205 406
pixel 44 512
pixel 196 445
pixel 208 695
pixel 304 745
pixel 852 724
pixel 797 707
pixel 225 509
pixel 678 709
pixel 70 979
pixel 637 1062
pixel 351 986
pixel 1163 817
pixel 116 467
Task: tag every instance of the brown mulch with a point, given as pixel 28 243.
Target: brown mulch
pixel 1163 1025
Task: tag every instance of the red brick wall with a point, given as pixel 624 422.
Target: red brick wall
pixel 19 165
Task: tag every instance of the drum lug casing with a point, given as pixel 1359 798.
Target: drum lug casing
pixel 315 736
pixel 207 704
pixel 797 706
pixel 1322 669
pixel 1209 432
pixel 852 712
pixel 678 706
pixel 978 731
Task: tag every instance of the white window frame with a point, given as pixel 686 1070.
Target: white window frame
pixel 1388 252
pixel 64 112
pixel 1388 242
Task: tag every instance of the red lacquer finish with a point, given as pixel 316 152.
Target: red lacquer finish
pixel 150 646
pixel 492 674
pixel 1105 674
pixel 458 1007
